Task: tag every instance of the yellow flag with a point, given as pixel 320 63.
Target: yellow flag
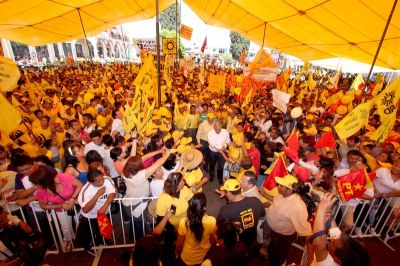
pixel 383 131
pixel 9 117
pixel 379 85
pixel 357 82
pixel 248 97
pixel 144 80
pixel 262 59
pixel 216 83
pixel 334 98
pixel 291 89
pixel 386 101
pixel 15 103
pixel 127 121
pixel 354 121
pixel 147 120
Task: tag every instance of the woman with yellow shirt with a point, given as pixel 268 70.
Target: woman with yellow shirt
pixel 192 173
pixel 196 232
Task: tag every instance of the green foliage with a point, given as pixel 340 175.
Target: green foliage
pixel 238 42
pixel 167 18
pixel 164 33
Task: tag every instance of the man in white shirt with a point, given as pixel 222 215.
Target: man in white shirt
pixel 96 144
pixel 116 127
pixel 286 217
pixel 218 139
pixel 95 197
pixel 202 137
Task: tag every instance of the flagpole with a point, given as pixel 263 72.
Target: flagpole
pixel 158 52
pixel 265 26
pixel 176 29
pixel 381 41
pixel 84 33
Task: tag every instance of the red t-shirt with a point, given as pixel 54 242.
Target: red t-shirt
pixel 255 157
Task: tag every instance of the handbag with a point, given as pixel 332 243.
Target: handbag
pixel 105 225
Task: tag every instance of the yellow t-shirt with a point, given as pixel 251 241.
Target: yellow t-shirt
pixel 102 121
pixel 193 252
pixel 193 177
pixel 165 201
pixel 91 110
pixel 192 121
pixel 40 132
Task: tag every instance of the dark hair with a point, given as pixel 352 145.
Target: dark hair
pixel 44 177
pixel 248 136
pixel 88 116
pixel 170 163
pixel 326 162
pixel 352 253
pixel 195 213
pixel 36 112
pixel 354 153
pixel 44 159
pixel 133 166
pixel 226 231
pixel 172 182
pixel 93 174
pixel 93 156
pixel 115 153
pixel 119 140
pixel 146 252
pixel 107 140
pixel 95 133
pixel 22 160
pixel 95 165
pixel 169 143
pixel 2 149
pixel 252 177
pixel 70 159
pixel 15 155
pixel 71 122
pixel 246 163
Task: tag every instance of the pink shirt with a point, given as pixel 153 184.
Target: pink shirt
pixel 67 191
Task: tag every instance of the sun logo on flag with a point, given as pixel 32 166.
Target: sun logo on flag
pixel 387 100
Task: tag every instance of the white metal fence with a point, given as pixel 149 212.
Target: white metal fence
pixel 131 218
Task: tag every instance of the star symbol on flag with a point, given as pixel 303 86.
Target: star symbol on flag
pixel 358 186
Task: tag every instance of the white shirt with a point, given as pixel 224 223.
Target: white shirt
pixel 93 147
pixel 328 261
pixel 87 193
pixel 117 126
pixel 137 187
pixel 109 163
pixel 218 141
pixel 266 126
pixel 166 172
pixel 156 187
pixel 288 215
pixel 384 182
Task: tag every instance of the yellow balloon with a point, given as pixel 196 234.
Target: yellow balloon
pixel 358 92
pixel 346 99
pixel 341 110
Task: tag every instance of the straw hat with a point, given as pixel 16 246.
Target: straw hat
pixel 286 181
pixel 296 112
pixel 191 158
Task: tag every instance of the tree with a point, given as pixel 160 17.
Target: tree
pixel 167 18
pixel 238 43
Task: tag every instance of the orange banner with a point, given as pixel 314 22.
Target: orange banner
pixel 186 32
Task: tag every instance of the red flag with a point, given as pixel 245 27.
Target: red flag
pixel 352 185
pixel 279 170
pixel 293 146
pixel 301 173
pixel 327 140
pixel 203 47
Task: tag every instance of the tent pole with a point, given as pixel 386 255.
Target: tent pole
pixel 265 26
pixel 176 29
pixel 381 41
pixel 84 33
pixel 158 52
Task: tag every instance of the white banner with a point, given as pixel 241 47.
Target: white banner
pixel 264 73
pixel 280 99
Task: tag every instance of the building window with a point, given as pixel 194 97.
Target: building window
pixel 222 50
pixel 20 51
pixel 67 47
pixel 42 52
pixel 79 50
pixel 56 51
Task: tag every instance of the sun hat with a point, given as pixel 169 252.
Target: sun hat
pixel 296 112
pixel 230 185
pixel 286 181
pixel 191 158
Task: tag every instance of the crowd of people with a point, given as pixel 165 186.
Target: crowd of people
pixel 72 153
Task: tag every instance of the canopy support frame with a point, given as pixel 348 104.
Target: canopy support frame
pixel 381 41
pixel 158 52
pixel 84 33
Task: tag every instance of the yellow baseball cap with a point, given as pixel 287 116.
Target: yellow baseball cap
pixel 211 115
pixel 286 181
pixel 230 185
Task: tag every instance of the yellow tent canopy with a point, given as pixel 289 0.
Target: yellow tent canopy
pixel 38 22
pixel 312 29
pixel 308 29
